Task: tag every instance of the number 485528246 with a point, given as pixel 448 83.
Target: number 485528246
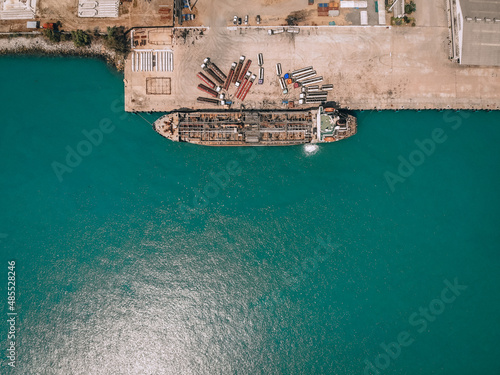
pixel 11 287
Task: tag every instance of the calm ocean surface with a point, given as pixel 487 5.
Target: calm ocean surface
pixel 149 257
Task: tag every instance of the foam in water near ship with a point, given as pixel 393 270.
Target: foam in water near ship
pixel 311 149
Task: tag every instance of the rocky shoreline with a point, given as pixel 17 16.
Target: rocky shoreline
pixel 38 45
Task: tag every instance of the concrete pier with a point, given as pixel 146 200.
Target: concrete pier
pixel 370 68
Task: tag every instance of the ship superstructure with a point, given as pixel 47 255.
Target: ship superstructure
pixel 257 127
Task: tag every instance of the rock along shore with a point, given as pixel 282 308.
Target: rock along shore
pixel 20 45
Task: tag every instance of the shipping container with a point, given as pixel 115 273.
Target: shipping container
pixel 278 69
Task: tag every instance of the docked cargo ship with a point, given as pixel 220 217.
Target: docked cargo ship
pixel 257 127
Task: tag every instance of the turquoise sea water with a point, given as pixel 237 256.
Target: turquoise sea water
pixel 139 262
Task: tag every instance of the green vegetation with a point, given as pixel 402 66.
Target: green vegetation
pixel 116 39
pixel 56 34
pixel 404 20
pixel 52 35
pixel 410 8
pixel 80 38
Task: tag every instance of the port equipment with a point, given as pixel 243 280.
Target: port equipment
pixel 212 73
pixel 245 69
pixel 243 84
pixel 261 76
pixel 298 71
pixel 208 90
pixel 283 85
pixel 305 77
pixel 206 80
pixel 209 65
pixel 201 99
pixel 314 94
pixel 238 68
pixel 276 31
pixel 278 69
pixel 247 89
pixel 316 100
pixel 312 81
pixel 216 69
pixel 261 59
pixel 302 74
pixel 230 76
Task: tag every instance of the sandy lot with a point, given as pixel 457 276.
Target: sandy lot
pixel 132 13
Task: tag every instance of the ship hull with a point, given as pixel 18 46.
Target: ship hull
pixel 256 128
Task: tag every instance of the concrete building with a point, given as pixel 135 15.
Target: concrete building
pixel 477 32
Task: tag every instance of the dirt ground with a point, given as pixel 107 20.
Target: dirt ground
pixel 132 13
